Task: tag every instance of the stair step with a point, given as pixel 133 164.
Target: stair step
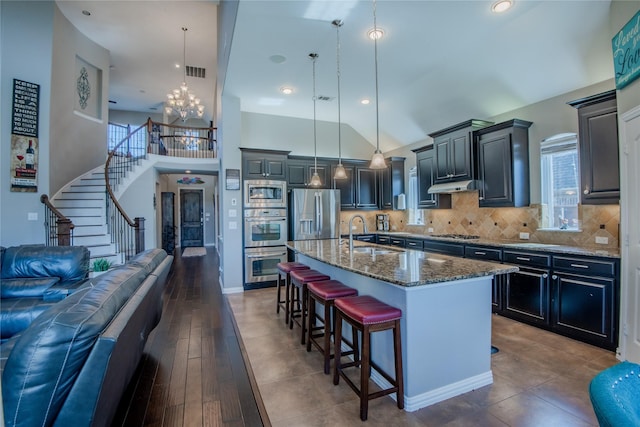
pixel 98 251
pixel 87 220
pixel 91 240
pixel 86 211
pixel 79 203
pixel 88 230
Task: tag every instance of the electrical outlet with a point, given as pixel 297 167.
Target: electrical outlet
pixel 430 229
pixel 32 216
pixel 602 240
pixel 524 236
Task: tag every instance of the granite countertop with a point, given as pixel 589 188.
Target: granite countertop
pixel 399 266
pixel 515 244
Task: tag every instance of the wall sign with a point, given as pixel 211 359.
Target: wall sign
pixel 232 179
pixel 626 52
pixel 24 136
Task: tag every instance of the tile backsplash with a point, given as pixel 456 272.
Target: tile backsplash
pixel 466 217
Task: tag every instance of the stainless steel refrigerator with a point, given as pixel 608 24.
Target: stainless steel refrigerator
pixel 314 214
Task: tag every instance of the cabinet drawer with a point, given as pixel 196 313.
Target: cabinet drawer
pixel 526 258
pixel 366 238
pixel 397 242
pixel 584 266
pixel 479 252
pixel 443 248
pixel 414 244
pixel 383 240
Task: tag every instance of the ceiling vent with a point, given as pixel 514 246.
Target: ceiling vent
pixel 324 98
pixel 196 72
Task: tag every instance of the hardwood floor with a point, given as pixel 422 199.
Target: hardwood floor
pixel 194 374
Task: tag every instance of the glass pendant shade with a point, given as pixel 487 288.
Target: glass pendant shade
pixel 377 161
pixel 315 180
pixel 340 172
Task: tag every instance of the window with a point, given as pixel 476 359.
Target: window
pixel 559 182
pixel 415 215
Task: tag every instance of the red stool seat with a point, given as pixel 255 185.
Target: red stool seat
pixel 284 268
pixel 368 315
pixel 300 279
pixel 325 293
pixel 367 310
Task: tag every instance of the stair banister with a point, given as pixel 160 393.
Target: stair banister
pixel 62 231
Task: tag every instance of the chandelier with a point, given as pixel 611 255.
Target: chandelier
pixel 182 101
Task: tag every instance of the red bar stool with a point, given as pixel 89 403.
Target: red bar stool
pixel 299 280
pixel 284 268
pixel 368 315
pixel 325 293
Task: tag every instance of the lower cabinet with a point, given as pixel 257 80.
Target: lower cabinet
pixel 371 238
pixel 454 249
pixel 497 283
pixel 526 295
pixel 585 300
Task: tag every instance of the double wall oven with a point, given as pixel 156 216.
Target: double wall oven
pixel 265 230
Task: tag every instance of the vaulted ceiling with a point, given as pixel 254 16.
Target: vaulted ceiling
pixel 439 62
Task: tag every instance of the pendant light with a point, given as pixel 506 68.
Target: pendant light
pixel 315 179
pixel 340 172
pixel 377 160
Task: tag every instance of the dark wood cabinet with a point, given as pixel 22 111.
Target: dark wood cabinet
pixel 598 148
pixel 300 170
pixel 391 182
pixel 366 188
pixel 383 240
pixel 527 292
pixel 416 244
pixel 489 254
pixel 371 238
pixel 585 299
pixel 456 249
pixel 400 242
pixel 454 151
pixel 347 186
pixel 502 153
pixel 261 164
pixel 426 168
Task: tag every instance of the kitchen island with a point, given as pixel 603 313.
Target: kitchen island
pixel 446 312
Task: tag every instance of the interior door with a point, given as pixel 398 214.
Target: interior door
pixel 168 222
pixel 191 230
pixel 630 236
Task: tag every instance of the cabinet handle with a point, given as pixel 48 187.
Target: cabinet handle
pixel 579 266
pixel 545 275
pixel 586 189
pixel 413 244
pixel 521 258
pixel 480 253
pixel 554 277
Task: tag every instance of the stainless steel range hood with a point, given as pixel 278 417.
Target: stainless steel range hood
pixel 452 187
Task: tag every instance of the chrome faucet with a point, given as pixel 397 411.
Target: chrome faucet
pixel 364 229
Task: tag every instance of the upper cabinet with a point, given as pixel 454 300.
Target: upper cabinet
pixel 454 149
pixel 502 153
pixel 598 148
pixel 391 182
pixel 300 170
pixel 425 163
pixel 367 196
pixel 259 164
pixel 346 186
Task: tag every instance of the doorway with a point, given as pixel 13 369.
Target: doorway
pixel 191 220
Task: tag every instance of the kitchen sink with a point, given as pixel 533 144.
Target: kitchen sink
pixel 373 250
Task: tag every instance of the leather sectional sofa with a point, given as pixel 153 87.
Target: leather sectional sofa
pixel 71 365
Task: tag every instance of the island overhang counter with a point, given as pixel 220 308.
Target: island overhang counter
pixel 446 312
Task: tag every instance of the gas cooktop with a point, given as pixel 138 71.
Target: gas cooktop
pixel 457 236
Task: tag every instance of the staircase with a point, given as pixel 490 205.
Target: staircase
pixel 83 201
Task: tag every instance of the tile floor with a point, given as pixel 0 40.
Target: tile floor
pixel 540 378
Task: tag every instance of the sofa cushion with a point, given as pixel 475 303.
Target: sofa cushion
pixel 47 357
pixel 16 314
pixel 26 286
pixel 69 263
pixel 149 259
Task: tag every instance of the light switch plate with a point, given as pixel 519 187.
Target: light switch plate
pixel 430 229
pixel 32 216
pixel 233 225
pixel 602 240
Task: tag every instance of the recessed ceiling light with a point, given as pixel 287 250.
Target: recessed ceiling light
pixel 375 34
pixel 286 90
pixel 86 13
pixel 365 101
pixel 502 6
pixel 277 59
pixel 177 65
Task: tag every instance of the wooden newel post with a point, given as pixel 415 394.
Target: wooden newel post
pixel 139 234
pixel 65 226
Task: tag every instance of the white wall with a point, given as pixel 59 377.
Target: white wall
pixel 296 135
pixel 134 118
pixel 137 201
pixel 26 50
pixel 78 142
